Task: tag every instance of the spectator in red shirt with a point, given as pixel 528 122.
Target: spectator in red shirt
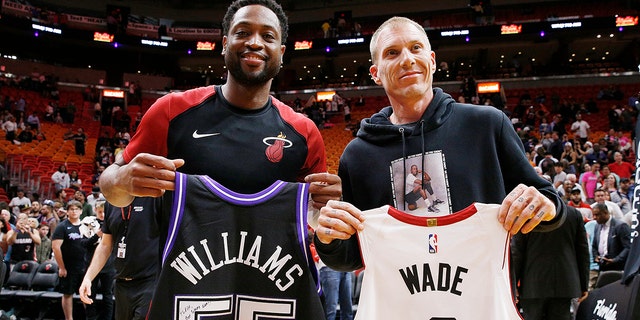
pixel 622 168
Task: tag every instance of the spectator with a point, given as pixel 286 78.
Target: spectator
pixel 570 155
pixel 96 176
pixel 69 253
pixel 87 209
pixel 337 289
pixel 559 176
pixel 43 250
pixel 61 179
pixel 589 181
pixel 547 293
pixel 422 126
pixel 34 121
pixel 611 240
pixel 19 202
pixel 80 139
pixel 326 27
pixel 577 202
pixel 137 239
pixel 245 91
pixel 103 281
pixel 581 128
pixel 620 167
pixel 601 196
pixel 23 240
pixel 26 135
pixel 49 217
pixel 75 182
pixel 94 197
pixel 5 227
pixel 10 128
pixel 61 198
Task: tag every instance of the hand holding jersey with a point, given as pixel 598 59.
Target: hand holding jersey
pixel 323 187
pixel 524 208
pixel 338 220
pixel 146 175
pixel 521 210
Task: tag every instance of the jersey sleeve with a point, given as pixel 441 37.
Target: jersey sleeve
pixel 151 135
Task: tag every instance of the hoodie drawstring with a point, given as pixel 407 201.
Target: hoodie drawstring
pixel 422 139
pixel 404 164
pixel 404 155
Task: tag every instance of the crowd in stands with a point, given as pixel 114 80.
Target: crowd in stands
pixel 563 146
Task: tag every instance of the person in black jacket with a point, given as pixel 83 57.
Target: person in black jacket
pixel 472 153
pixel 131 241
pixel 546 292
pixel 610 253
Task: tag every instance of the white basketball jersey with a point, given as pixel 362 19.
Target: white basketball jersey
pixel 453 267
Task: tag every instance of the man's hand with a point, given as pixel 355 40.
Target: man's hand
pixel 85 291
pixel 524 208
pixel 338 220
pixel 323 187
pixel 585 294
pixel 146 175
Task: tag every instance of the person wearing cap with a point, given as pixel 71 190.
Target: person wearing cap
pixel 48 216
pixel 575 200
pixel 573 179
pixel 94 196
pixel 564 190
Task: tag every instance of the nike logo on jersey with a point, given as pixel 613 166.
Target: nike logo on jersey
pixel 197 135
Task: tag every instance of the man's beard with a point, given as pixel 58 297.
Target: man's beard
pixel 253 78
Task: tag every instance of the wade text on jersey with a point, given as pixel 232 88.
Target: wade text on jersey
pixel 444 279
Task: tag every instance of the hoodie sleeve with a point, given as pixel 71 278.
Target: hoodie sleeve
pixel 341 255
pixel 516 169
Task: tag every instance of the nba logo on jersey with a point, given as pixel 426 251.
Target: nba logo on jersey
pixel 433 243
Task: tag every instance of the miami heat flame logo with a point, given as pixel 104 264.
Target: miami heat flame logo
pixel 276 146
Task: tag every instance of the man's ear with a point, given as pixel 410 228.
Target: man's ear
pixel 373 70
pixel 224 45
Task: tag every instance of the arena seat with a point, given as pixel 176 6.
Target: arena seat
pixel 46 276
pixel 21 275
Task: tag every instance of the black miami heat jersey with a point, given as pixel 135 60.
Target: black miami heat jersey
pixel 233 256
pixel 244 150
pixel 448 267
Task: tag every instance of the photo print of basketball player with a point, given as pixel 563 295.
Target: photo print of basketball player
pixel 421 189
